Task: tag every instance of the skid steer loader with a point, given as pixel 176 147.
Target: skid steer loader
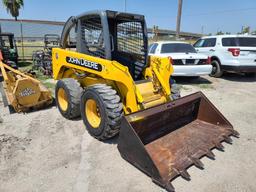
pixel 108 78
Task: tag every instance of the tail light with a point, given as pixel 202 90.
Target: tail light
pixel 171 60
pixel 235 52
pixel 207 61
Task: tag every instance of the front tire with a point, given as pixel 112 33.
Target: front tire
pixel 101 111
pixel 216 69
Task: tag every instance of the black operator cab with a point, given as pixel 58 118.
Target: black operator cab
pixel 110 35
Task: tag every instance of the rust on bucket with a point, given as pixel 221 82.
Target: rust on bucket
pixel 165 140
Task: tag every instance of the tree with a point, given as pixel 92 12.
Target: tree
pixel 245 30
pixel 219 33
pixel 13 7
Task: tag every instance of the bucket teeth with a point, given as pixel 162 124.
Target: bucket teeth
pixel 219 146
pixel 227 139
pixel 235 133
pixel 170 187
pixel 210 154
pixel 197 163
pixel 185 174
pixel 175 171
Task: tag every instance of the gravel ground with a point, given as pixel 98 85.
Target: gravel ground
pixel 41 151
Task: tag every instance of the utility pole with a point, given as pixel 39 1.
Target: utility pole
pixel 124 5
pixel 202 29
pixel 178 19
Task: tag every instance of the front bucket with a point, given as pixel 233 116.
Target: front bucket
pixel 165 140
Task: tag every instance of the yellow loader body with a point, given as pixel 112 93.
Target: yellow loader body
pixel 137 96
pixel 112 83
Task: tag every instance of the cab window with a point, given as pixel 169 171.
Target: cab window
pixel 199 43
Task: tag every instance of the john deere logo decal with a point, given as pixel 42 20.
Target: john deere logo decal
pixel 84 63
pixel 27 92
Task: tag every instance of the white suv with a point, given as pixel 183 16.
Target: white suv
pixel 234 53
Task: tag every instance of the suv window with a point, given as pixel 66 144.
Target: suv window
pixel 177 48
pixel 199 43
pixel 239 42
pixel 210 42
pixel 152 48
pixel 149 47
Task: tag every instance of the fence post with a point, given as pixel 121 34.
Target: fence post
pixel 21 35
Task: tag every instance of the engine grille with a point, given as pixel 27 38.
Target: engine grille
pixel 177 62
pixel 189 61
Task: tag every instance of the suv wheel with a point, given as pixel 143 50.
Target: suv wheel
pixel 216 70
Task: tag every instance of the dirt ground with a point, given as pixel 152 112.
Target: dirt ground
pixel 41 151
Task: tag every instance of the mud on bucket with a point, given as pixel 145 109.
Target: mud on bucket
pixel 165 140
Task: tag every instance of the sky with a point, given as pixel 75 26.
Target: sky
pixel 207 16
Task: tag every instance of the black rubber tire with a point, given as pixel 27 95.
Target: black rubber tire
pixel 110 109
pixel 175 91
pixel 250 74
pixel 73 91
pixel 194 77
pixel 216 69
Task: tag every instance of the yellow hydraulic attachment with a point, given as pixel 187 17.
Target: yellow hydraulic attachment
pixel 22 92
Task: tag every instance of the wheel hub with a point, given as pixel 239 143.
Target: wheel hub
pixel 62 99
pixel 92 113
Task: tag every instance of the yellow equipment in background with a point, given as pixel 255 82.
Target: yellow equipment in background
pixel 22 92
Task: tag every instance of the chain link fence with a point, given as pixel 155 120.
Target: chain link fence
pixel 29 35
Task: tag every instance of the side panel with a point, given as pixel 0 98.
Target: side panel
pixel 160 70
pixel 84 65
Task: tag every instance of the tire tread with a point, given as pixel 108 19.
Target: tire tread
pixel 114 110
pixel 75 92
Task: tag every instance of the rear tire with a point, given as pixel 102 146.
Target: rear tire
pixel 216 69
pixel 101 111
pixel 175 91
pixel 194 77
pixel 68 94
pixel 250 74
